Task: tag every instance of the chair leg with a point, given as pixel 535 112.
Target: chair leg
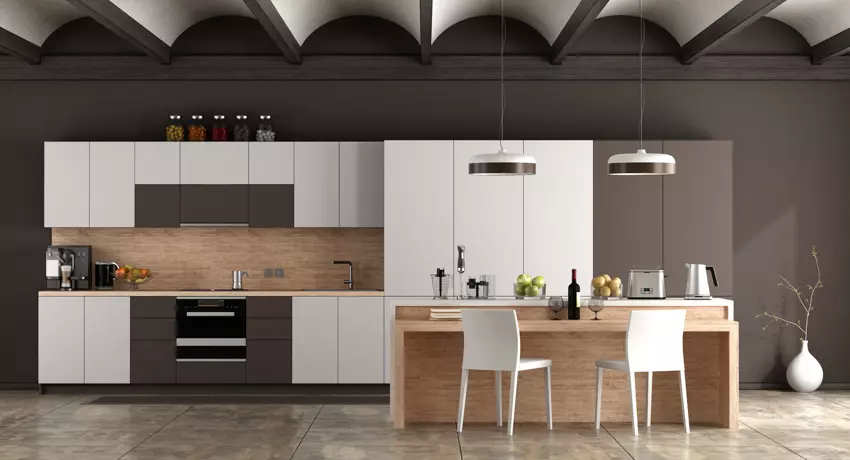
pixel 649 398
pixel 498 398
pixel 599 371
pixel 512 403
pixel 633 393
pixel 549 396
pixel 461 405
pixel 684 392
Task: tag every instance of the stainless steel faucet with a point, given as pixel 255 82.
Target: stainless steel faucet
pixel 350 280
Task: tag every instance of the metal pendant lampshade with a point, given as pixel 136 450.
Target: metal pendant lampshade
pixel 641 164
pixel 502 163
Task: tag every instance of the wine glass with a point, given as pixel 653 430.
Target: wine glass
pixel 556 305
pixel 595 305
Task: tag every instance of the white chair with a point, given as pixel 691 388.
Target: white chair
pixel 653 344
pixel 491 343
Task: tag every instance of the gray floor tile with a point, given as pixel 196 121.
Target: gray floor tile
pixel 535 441
pixel 14 452
pixel 345 451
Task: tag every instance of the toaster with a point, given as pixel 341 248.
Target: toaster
pixel 646 284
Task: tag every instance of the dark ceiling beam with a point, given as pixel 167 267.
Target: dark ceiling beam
pixel 583 16
pixel 739 17
pixel 19 47
pixel 831 47
pixel 270 19
pixel 426 10
pixel 123 25
pixel 402 68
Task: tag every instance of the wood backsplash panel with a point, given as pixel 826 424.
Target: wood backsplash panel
pixel 183 258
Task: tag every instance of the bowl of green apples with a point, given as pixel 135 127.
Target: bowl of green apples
pixel 528 287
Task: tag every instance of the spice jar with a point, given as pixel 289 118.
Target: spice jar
pixel 241 132
pixel 174 129
pixel 265 132
pixel 197 130
pixel 219 128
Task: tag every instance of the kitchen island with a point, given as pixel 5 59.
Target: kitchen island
pixel 427 359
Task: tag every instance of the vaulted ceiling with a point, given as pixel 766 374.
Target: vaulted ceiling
pixel 154 25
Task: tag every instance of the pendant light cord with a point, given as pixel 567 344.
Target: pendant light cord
pixel 504 33
pixel 640 58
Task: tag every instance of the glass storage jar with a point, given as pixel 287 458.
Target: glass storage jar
pixel 241 131
pixel 265 132
pixel 174 129
pixel 219 128
pixel 197 130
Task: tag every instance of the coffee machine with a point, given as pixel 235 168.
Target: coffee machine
pixel 68 268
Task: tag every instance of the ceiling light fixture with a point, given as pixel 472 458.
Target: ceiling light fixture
pixel 641 163
pixel 502 163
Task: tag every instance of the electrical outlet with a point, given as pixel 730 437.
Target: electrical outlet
pixel 267 273
pixel 278 273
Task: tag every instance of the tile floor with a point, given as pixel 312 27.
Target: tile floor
pixel 774 425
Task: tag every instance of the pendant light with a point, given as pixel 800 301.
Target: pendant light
pixel 502 163
pixel 641 163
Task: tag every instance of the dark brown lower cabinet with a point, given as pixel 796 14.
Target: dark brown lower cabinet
pixel 271 206
pixel 157 206
pixel 152 361
pixel 214 204
pixel 210 372
pixel 269 361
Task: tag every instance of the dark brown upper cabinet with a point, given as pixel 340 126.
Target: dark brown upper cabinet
pixel 627 214
pixel 271 206
pixel 214 204
pixel 698 213
pixel 157 206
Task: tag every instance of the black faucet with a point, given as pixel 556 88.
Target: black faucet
pixel 350 280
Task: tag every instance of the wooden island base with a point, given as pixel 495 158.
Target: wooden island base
pixel 428 354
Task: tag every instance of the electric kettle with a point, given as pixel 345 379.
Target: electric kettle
pixel 697 286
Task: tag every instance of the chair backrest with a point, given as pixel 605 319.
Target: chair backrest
pixel 490 339
pixel 654 340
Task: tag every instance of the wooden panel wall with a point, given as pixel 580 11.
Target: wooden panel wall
pixel 204 257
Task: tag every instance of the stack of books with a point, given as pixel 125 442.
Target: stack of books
pixel 441 314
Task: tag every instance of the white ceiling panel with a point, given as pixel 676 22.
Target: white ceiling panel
pixel 167 19
pixel 35 20
pixel 305 16
pixel 547 16
pixel 684 19
pixel 816 20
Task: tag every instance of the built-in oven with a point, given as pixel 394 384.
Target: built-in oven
pixel 211 329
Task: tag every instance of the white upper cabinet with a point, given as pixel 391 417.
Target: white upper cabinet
pixel 112 184
pixel 271 163
pixel 66 180
pixel 418 217
pixel 559 214
pixel 361 184
pixel 61 339
pixel 213 163
pixel 107 343
pixel 361 340
pixel 317 184
pixel 157 163
pixel 488 216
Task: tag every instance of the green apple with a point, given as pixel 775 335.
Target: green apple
pixel 532 291
pixel 538 281
pixel 519 290
pixel 523 280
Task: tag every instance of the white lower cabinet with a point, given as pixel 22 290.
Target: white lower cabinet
pixel 361 340
pixel 61 340
pixel 107 340
pixel 314 340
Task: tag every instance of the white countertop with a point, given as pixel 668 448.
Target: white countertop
pixel 512 302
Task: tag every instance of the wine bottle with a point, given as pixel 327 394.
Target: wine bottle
pixel 573 304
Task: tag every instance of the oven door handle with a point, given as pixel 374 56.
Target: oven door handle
pixel 211 360
pixel 210 314
pixel 210 342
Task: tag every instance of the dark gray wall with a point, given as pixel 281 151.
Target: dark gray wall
pixel 790 168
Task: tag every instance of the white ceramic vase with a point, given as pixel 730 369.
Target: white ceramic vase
pixel 804 373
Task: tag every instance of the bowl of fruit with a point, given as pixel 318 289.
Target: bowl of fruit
pixel 133 277
pixel 605 287
pixel 528 287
